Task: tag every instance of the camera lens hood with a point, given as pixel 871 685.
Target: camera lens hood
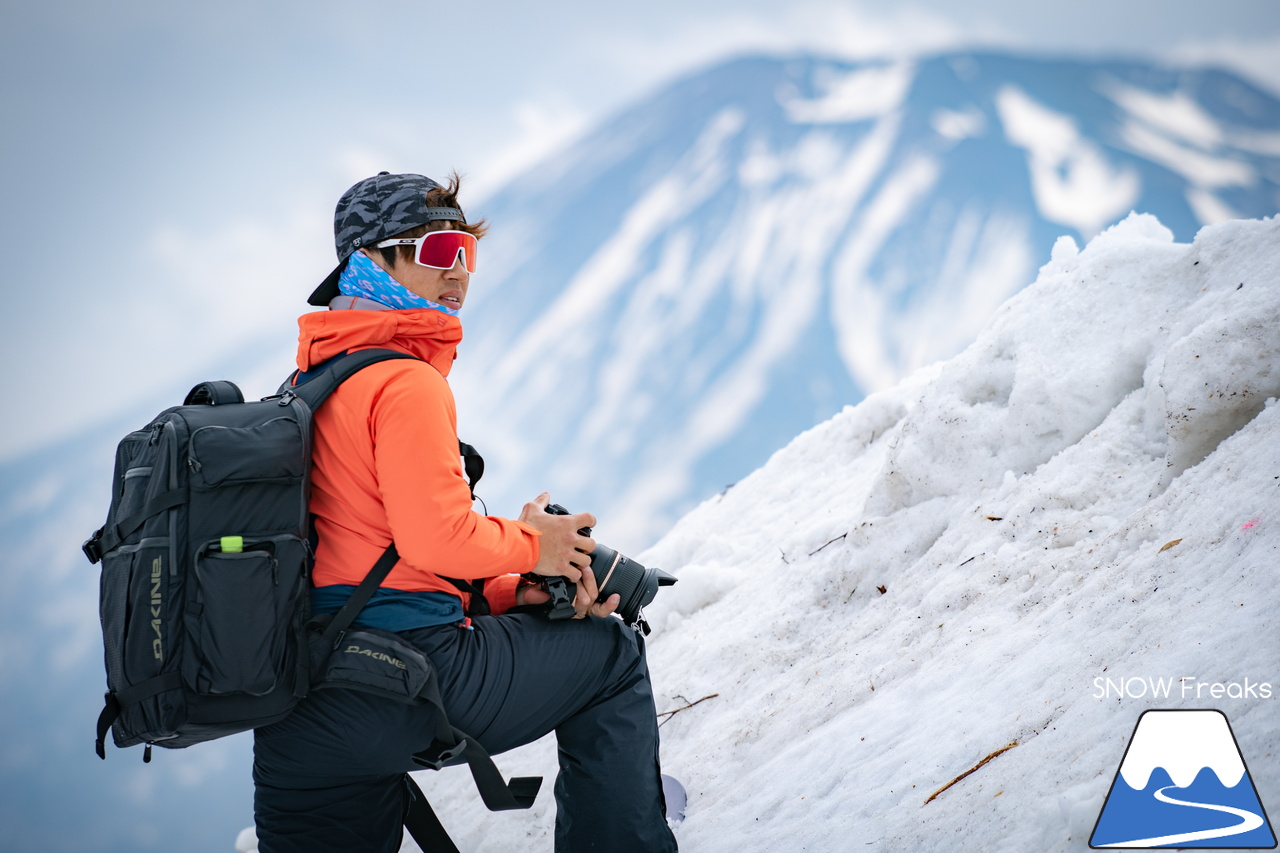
pixel 635 585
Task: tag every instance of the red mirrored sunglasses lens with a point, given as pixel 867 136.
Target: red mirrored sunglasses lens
pixel 440 249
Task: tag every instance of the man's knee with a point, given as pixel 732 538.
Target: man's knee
pixel 616 648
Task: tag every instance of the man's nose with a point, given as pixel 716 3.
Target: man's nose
pixel 459 268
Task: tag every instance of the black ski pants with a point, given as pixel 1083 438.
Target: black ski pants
pixel 330 777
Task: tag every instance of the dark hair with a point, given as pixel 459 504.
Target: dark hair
pixel 443 197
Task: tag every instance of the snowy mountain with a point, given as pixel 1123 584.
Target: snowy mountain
pixel 723 266
pixel 948 571
pixel 733 260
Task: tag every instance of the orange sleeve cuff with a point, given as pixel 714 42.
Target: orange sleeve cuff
pixel 500 592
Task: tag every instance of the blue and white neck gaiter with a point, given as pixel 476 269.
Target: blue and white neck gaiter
pixel 364 279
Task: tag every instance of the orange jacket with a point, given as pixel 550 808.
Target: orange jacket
pixel 385 463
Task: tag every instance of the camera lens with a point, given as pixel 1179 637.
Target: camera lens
pixel 635 585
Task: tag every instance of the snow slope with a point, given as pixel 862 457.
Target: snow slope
pixel 1090 490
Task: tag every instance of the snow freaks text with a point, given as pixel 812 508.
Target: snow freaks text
pixel 1187 687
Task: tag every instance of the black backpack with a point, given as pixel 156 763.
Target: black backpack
pixel 206 557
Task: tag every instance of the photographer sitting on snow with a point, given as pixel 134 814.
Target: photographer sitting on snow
pixel 386 468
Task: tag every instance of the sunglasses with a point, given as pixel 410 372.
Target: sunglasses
pixel 439 249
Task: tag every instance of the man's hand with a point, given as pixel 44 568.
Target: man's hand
pixel 585 601
pixel 564 552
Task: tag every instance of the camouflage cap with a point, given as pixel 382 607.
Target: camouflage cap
pixel 375 209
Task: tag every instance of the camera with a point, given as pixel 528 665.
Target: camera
pixel 635 585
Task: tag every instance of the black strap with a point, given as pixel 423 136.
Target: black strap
pixel 444 213
pixel 108 716
pixel 117 701
pixel 421 821
pixel 315 385
pixel 498 795
pixel 110 538
pixel 452 745
pixel 473 464
pixel 360 597
pixel 477 605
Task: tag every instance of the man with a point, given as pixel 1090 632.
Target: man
pixel 386 468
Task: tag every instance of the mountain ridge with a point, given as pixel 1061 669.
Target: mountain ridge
pixel 755 246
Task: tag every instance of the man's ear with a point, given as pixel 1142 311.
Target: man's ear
pixel 375 256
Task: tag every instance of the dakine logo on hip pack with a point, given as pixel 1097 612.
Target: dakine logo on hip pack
pixel 373 661
pixel 353 649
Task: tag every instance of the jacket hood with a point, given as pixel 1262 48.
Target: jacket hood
pixel 423 333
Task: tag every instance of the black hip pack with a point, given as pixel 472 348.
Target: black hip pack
pixel 374 661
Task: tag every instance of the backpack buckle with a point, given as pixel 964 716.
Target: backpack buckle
pixel 92 546
pixel 442 757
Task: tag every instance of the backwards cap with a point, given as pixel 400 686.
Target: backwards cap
pixel 375 209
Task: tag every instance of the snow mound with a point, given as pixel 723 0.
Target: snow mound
pixel 1089 491
pixel 952 567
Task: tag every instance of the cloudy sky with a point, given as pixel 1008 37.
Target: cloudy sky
pixel 170 168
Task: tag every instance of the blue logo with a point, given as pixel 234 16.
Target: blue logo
pixel 1183 783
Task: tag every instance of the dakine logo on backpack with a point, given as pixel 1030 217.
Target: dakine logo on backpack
pixel 157 576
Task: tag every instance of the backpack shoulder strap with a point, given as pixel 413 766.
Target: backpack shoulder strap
pixel 315 386
pixel 337 626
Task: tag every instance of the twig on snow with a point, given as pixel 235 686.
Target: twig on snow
pixel 970 770
pixel 670 714
pixel 829 541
